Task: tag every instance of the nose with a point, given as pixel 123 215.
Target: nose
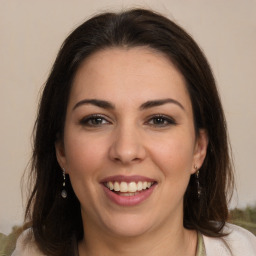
pixel 127 146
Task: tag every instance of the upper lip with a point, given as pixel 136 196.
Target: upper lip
pixel 128 179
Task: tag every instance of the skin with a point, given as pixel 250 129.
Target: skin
pixel 128 140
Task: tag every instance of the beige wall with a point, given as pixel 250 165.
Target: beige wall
pixel 32 31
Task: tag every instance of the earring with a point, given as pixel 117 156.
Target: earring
pixel 64 193
pixel 199 188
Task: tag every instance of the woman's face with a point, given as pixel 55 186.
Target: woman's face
pixel 129 142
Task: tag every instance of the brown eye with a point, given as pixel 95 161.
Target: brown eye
pixel 161 121
pixel 94 120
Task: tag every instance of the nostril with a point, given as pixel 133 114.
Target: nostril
pixel 117 159
pixel 126 160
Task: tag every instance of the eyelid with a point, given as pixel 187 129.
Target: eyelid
pixel 84 121
pixel 169 119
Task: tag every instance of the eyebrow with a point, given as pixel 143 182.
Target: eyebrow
pixel 108 105
pixel 156 103
pixel 98 103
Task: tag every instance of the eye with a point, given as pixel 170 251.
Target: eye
pixel 94 121
pixel 161 121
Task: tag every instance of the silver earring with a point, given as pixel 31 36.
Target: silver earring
pixel 199 188
pixel 64 193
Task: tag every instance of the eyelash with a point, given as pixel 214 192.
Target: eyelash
pixel 87 121
pixel 164 121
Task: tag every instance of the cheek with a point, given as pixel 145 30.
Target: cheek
pixel 174 155
pixel 83 154
pixel 84 160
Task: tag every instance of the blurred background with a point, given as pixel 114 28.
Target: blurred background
pixel 31 33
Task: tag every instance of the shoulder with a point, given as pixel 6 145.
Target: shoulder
pixel 26 245
pixel 239 241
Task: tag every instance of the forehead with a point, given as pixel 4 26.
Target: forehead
pixel 135 72
pixel 129 60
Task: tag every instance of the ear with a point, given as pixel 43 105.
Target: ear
pixel 200 148
pixel 60 154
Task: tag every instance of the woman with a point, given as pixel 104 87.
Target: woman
pixel 131 154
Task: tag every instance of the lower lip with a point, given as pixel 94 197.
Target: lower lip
pixel 129 200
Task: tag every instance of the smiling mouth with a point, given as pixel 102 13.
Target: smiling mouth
pixel 128 189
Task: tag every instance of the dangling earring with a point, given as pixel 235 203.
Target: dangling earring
pixel 64 193
pixel 199 188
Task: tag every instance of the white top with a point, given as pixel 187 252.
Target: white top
pixel 239 242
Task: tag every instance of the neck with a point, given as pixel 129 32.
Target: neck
pixel 168 240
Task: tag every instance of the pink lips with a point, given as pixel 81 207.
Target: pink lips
pixel 127 179
pixel 133 200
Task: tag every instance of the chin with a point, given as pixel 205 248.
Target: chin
pixel 129 226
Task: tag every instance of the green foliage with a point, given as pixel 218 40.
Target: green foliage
pixel 7 243
pixel 245 218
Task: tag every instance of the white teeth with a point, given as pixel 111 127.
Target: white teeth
pixel 139 186
pixel 116 186
pixel 131 187
pixel 124 187
pixel 128 194
pixel 111 185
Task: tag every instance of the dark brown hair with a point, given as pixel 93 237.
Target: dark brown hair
pixel 55 220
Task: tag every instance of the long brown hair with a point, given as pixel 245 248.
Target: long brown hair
pixel 54 220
